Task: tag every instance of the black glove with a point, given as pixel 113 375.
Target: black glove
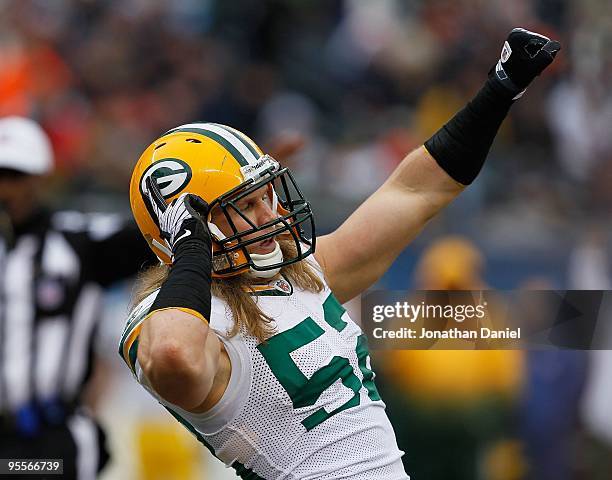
pixel 524 56
pixel 184 218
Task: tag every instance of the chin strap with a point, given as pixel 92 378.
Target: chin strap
pixel 275 256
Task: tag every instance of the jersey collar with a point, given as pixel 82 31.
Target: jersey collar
pixel 277 287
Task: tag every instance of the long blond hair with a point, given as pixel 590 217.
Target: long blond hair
pixel 237 292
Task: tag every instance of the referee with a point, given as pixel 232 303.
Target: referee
pixel 53 266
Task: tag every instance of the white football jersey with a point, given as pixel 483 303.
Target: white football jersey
pixel 302 405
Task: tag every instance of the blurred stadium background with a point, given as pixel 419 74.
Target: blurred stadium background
pixel 358 83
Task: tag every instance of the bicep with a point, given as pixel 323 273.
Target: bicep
pixel 179 355
pixel 359 252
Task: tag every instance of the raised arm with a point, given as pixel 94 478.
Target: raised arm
pixel 178 352
pixel 361 250
pixel 358 253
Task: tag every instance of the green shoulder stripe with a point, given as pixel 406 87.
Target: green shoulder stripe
pixel 128 345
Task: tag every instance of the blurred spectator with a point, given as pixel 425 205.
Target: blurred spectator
pixel 589 269
pixel 452 410
pixel 554 386
pixel 556 380
pixel 105 77
pixel 589 263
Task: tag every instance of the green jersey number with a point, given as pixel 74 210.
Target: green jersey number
pixel 305 391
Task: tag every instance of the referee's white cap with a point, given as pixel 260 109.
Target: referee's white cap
pixel 24 146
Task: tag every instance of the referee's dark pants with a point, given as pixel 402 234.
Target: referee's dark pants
pixel 78 441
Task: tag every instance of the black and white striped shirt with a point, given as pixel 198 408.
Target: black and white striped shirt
pixel 52 271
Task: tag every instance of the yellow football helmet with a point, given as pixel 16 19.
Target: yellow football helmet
pixel 222 165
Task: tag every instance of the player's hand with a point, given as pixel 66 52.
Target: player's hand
pixel 184 218
pixel 524 56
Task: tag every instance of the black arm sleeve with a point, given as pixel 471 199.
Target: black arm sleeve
pixel 461 146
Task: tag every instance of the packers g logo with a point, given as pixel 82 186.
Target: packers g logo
pixel 171 175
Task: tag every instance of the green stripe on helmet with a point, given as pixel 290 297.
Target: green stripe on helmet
pixel 217 138
pixel 242 137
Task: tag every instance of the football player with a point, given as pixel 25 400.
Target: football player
pixel 240 333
